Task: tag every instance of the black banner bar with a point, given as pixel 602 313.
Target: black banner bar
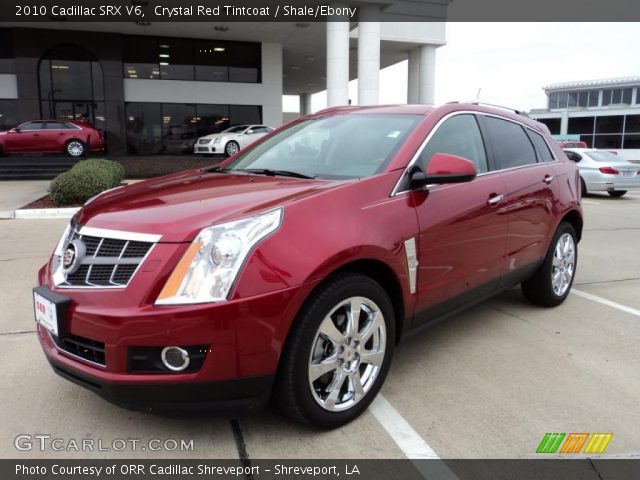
pixel 543 469
pixel 145 12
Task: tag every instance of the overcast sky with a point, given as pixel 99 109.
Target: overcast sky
pixel 511 62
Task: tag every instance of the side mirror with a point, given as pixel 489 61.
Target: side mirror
pixel 444 168
pixel 574 157
pixel 249 132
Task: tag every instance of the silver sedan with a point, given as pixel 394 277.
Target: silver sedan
pixel 603 171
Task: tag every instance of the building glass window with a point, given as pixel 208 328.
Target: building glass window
pixel 212 61
pixel 144 128
pixel 183 59
pixel 212 119
pixel 609 124
pixel 581 125
pixel 607 141
pixel 173 128
pixel 178 127
pixel 583 99
pixel 626 95
pixel 632 141
pixel 632 124
pixel 606 97
pixel 8 114
pixel 71 85
pixel 175 57
pixel 593 98
pixel 553 100
pixel 588 139
pixel 245 114
pixel 573 99
pixel 7 62
pixel 553 124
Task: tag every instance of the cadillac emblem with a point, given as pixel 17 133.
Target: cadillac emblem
pixel 72 257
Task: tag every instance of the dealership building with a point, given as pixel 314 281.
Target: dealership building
pixel 602 113
pixel 155 87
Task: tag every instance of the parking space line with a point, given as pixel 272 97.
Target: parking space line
pixel 589 202
pixel 409 441
pixel 604 301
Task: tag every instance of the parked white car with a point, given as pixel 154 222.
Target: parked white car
pixel 231 141
pixel 602 171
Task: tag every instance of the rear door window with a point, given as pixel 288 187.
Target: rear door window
pixel 458 135
pixel 510 145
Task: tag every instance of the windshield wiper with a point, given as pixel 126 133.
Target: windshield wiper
pixel 216 169
pixel 273 173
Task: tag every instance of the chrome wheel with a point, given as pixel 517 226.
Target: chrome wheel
pixel 347 354
pixel 232 148
pixel 564 261
pixel 75 148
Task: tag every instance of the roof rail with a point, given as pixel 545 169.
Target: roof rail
pixel 475 102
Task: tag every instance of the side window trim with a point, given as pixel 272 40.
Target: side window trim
pixel 398 187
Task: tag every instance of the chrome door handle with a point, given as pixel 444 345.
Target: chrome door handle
pixel 496 199
pixel 548 179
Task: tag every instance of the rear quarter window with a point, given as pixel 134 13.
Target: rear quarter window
pixel 542 149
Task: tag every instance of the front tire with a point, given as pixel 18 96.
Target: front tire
pixel 617 193
pixel 552 282
pixel 231 148
pixel 75 148
pixel 338 352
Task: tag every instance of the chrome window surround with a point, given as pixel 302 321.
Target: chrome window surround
pixel 412 262
pixel 58 276
pixel 415 157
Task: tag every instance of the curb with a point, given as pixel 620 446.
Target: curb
pixel 43 213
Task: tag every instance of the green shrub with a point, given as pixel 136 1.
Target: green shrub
pixel 85 180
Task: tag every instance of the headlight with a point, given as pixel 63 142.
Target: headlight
pixel 217 140
pixel 210 266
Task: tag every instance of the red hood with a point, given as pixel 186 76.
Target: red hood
pixel 178 206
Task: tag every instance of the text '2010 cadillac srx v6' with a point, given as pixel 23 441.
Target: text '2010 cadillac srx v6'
pixel 291 270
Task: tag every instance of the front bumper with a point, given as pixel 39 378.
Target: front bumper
pixel 207 148
pixel 241 395
pixel 244 337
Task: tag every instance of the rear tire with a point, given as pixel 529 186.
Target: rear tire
pixel 551 283
pixel 331 369
pixel 617 193
pixel 583 187
pixel 75 148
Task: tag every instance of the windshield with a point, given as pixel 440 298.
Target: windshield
pixel 239 129
pixel 335 147
pixel 604 156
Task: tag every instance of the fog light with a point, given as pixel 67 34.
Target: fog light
pixel 175 359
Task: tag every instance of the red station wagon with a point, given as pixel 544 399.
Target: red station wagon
pixel 73 137
pixel 292 270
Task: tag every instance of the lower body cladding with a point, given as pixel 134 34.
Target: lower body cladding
pixel 222 358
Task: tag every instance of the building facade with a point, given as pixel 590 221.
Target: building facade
pixel 603 113
pixel 154 88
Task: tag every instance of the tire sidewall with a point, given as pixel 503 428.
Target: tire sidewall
pixel 84 148
pixel 548 262
pixel 226 151
pixel 310 322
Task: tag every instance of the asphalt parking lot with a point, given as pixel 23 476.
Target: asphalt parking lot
pixel 487 383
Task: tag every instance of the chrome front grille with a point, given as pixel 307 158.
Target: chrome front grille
pixel 106 258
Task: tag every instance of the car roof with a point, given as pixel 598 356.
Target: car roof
pixel 444 109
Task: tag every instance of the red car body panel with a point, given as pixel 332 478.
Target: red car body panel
pixel 464 245
pixel 49 140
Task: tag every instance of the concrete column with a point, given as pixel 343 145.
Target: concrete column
pixel 413 77
pixel 338 61
pixel 564 122
pixel 368 54
pixel 305 104
pixel 427 80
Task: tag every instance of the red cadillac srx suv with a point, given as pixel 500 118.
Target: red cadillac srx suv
pixel 290 271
